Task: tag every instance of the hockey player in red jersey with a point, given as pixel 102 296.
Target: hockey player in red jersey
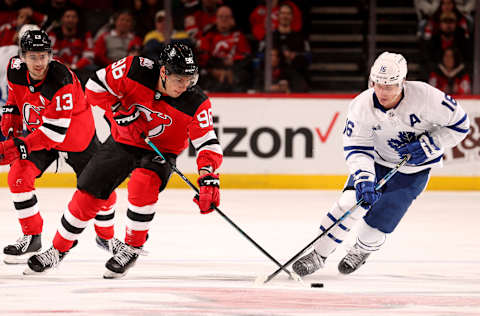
pixel 47 97
pixel 141 98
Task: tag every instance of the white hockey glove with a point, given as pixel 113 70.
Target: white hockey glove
pixel 421 150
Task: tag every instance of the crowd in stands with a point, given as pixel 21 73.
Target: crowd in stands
pixel 228 37
pixel 445 35
pixel 88 35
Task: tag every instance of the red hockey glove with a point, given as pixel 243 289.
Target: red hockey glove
pixel 209 192
pixel 11 150
pixel 12 125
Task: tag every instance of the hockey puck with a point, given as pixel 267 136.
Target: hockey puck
pixel 316 284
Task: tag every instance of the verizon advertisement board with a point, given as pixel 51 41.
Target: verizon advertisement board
pixel 301 136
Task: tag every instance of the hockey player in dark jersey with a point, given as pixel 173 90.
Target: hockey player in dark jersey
pixel 141 99
pixel 46 97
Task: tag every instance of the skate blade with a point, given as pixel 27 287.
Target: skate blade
pixel 11 259
pixel 113 275
pixel 29 271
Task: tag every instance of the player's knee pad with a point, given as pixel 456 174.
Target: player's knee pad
pixel 369 238
pixel 143 187
pixel 84 206
pixel 21 177
pixel 110 202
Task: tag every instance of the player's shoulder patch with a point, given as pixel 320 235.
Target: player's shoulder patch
pixel 58 76
pixel 17 71
pixel 189 101
pixel 144 71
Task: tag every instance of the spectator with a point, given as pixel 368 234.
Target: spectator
pixel 72 45
pixel 144 15
pixel 284 78
pixel 117 43
pixel 432 24
pixel 225 53
pixel 450 76
pixel 450 35
pixel 9 10
pixel 9 31
pixel 292 45
pixel 258 17
pixel 200 19
pixel 154 41
pixel 55 10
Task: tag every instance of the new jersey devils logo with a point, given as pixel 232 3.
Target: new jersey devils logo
pixel 158 119
pixel 31 114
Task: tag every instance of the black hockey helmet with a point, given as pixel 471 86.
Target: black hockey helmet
pixel 178 59
pixel 35 40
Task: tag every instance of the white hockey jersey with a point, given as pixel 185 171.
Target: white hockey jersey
pixel 374 134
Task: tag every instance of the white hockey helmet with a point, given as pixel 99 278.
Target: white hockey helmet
pixel 388 69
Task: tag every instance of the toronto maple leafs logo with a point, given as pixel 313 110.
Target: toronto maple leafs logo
pixel 403 138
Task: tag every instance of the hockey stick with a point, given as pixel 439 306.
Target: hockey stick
pixel 379 185
pixel 293 275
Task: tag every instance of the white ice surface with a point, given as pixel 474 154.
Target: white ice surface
pixel 200 265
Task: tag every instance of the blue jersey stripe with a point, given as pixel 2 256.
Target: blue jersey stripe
pixel 358 147
pixel 359 152
pixel 458 129
pixel 460 121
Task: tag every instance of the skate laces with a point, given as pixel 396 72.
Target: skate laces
pixel 312 261
pixel 355 256
pixel 51 257
pixel 114 245
pixel 126 253
pixel 23 242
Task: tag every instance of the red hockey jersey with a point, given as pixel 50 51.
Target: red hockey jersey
pixel 168 122
pixel 75 51
pixel 54 110
pixel 223 45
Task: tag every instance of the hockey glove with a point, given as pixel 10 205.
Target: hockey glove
pixel 364 183
pixel 12 125
pixel 11 150
pixel 126 117
pixel 209 195
pixel 421 150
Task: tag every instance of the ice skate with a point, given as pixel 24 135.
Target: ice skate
pixel 110 245
pixel 125 258
pixel 22 249
pixel 46 260
pixel 308 264
pixel 354 259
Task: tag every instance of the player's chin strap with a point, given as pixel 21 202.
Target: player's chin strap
pixel 191 185
pixel 379 185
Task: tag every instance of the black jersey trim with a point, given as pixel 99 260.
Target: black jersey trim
pixel 58 76
pixel 189 101
pixel 144 75
pixel 57 129
pixel 208 142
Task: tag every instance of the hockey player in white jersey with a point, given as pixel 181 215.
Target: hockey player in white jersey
pixel 391 119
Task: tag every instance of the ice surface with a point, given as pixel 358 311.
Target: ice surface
pixel 200 265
